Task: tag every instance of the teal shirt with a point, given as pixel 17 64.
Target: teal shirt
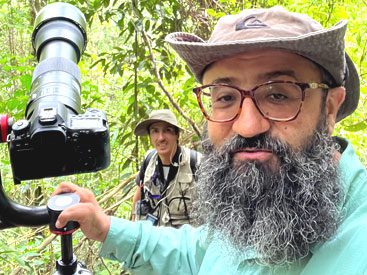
pixel 144 249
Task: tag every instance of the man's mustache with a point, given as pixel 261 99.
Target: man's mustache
pixel 260 142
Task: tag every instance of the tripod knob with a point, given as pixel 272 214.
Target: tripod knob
pixel 55 206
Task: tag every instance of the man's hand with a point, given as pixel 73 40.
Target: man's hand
pixel 93 221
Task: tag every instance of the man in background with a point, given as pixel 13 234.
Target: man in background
pixel 166 177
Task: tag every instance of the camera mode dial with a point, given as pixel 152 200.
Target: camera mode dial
pixel 20 127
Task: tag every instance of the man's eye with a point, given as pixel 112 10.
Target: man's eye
pixel 225 98
pixel 278 93
pixel 277 97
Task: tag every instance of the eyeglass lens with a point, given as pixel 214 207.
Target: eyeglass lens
pixel 275 100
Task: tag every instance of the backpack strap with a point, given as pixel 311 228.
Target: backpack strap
pixel 142 171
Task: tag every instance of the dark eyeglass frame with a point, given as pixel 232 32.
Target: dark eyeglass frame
pixel 251 94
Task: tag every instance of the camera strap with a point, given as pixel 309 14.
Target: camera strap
pixel 142 171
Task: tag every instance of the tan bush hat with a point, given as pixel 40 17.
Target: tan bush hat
pixel 164 115
pixel 274 28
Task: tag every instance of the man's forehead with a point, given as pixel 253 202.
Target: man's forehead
pixel 160 125
pixel 269 63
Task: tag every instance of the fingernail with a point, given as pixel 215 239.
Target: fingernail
pixel 57 224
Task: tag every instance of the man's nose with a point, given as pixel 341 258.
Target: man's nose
pixel 161 135
pixel 250 121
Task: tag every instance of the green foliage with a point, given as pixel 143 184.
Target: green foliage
pixel 127 71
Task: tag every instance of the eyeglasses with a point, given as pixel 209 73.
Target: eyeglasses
pixel 275 100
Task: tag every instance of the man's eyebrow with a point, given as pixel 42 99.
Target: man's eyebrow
pixel 274 74
pixel 223 80
pixel 262 77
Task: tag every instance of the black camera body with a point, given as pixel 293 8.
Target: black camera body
pixel 55 138
pixel 143 207
pixel 54 146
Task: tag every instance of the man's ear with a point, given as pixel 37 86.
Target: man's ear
pixel 334 100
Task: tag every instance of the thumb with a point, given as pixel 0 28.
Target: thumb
pixel 71 213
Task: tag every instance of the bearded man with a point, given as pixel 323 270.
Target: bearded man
pixel 276 193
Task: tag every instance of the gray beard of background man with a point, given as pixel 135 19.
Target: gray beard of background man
pixel 278 214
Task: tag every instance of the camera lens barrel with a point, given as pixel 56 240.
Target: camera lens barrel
pixel 59 21
pixel 59 39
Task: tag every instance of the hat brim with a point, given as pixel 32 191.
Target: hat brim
pixel 324 47
pixel 142 128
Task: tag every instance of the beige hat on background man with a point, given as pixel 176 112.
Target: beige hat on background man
pixel 164 115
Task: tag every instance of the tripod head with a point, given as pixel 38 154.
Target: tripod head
pixel 68 263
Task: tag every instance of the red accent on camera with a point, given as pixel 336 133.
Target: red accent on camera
pixel 4 127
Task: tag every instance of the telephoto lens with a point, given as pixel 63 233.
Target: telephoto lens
pixel 55 138
pixel 59 39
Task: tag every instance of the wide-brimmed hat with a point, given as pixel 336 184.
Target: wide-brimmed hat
pixel 165 115
pixel 274 28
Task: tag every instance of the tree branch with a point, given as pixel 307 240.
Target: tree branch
pixel 159 81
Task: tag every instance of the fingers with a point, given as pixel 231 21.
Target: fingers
pixel 85 194
pixel 76 213
pixel 65 187
pixel 93 221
